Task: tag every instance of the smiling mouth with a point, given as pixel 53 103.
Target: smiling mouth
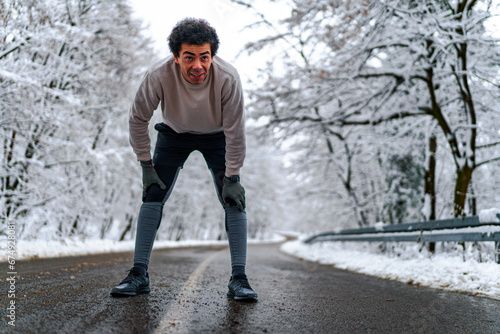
pixel 197 75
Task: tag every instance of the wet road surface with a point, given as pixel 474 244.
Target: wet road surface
pixel 188 295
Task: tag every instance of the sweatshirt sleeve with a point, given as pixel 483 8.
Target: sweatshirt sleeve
pixel 233 122
pixel 145 103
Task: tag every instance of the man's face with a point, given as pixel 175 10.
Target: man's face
pixel 195 62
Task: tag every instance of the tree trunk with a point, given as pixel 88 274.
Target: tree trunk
pixel 346 179
pixel 430 185
pixel 472 200
pixel 464 176
pixel 130 219
pixel 430 179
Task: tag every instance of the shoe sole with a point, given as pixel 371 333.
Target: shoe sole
pixel 242 298
pixel 130 294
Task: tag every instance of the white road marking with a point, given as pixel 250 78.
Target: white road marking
pixel 178 315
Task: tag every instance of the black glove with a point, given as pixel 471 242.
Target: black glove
pixel 149 177
pixel 233 192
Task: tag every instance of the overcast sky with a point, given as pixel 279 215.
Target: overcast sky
pixel 227 18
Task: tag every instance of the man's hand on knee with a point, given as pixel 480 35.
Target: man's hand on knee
pixel 149 177
pixel 233 192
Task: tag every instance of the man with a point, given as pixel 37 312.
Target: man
pixel 202 107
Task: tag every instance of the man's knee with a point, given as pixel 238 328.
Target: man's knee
pixel 155 194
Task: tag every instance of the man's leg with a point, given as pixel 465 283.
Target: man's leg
pixel 171 152
pixel 170 155
pixel 137 281
pixel 236 229
pixel 235 220
pixel 147 225
pixel 214 152
pixel 150 215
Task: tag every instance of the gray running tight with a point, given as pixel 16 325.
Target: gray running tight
pixel 149 222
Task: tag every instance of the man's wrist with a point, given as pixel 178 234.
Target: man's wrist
pixel 232 178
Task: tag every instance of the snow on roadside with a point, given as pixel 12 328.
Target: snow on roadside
pixel 446 271
pixel 37 249
pixel 489 215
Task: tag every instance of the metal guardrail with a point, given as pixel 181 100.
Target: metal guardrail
pixel 448 230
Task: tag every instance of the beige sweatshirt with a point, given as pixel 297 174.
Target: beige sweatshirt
pixel 213 106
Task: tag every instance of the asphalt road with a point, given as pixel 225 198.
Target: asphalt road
pixel 188 295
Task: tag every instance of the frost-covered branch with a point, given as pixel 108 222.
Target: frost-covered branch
pixel 487 145
pixel 488 161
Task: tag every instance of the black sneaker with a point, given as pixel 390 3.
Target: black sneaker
pixel 134 284
pixel 240 289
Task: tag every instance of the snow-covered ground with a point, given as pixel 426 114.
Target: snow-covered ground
pixel 454 271
pixel 38 249
pixel 452 268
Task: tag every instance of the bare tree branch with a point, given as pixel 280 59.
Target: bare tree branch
pixel 487 161
pixel 344 122
pixel 488 145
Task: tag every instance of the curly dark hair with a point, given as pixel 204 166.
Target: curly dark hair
pixel 194 32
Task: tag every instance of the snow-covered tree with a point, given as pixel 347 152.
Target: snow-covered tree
pixel 67 73
pixel 409 67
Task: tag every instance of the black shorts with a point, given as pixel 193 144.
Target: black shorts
pixel 172 150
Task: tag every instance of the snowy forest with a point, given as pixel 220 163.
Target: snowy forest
pixel 367 111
